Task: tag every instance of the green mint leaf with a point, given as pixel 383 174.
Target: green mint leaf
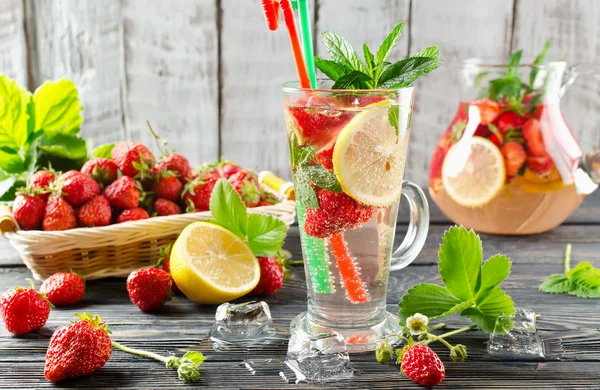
pixel 431 52
pixel 493 272
pixel 393 114
pixel 299 155
pixel 228 209
pixel 265 234
pixel 369 59
pixel 499 88
pixel 57 107
pixel 103 151
pixel 388 44
pixel 333 70
pixel 303 189
pixel 404 72
pixel 556 284
pixel 342 51
pixel 322 177
pixel 67 146
pixel 196 357
pixel 513 64
pixel 428 299
pixel 479 78
pixel 538 60
pixel 486 313
pixel 460 262
pixel 353 79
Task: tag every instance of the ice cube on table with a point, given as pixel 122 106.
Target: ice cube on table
pixel 516 337
pixel 242 324
pixel 319 356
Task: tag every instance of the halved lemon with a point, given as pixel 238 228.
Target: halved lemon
pixel 368 157
pixel 212 265
pixel 473 172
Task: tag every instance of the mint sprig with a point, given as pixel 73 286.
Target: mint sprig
pixel 348 71
pixel 582 281
pixel 264 234
pixel 471 287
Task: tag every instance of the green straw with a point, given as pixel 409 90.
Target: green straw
pixel 316 255
pixel 306 34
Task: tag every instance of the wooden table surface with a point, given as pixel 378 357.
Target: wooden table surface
pixel 569 326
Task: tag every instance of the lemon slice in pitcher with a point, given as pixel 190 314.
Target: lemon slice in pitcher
pixel 473 172
pixel 212 265
pixel 368 158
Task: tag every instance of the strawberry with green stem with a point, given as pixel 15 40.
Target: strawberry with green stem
pixel 174 162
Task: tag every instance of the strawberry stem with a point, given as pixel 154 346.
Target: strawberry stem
pixel 140 352
pixel 355 288
pixel 448 334
pixel 568 258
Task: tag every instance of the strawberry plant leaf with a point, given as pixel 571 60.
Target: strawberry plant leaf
pixel 7 184
pixel 103 151
pixel 333 70
pixel 385 49
pixel 68 146
pixel 582 281
pixel 57 107
pixel 493 272
pixel 342 51
pixel 322 177
pixel 428 299
pixel 486 313
pixel 265 234
pixel 228 209
pixel 460 262
pixel 556 284
pixel 404 72
pixel 355 79
pixel 196 357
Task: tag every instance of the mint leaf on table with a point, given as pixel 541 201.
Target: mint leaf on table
pixel 265 234
pixel 582 281
pixel 228 209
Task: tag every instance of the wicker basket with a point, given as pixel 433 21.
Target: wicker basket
pixel 113 250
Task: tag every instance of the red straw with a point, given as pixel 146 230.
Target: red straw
pixel 271 10
pixel 357 293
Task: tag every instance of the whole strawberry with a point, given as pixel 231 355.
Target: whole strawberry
pixel 165 261
pixel 229 169
pixel 64 288
pixel 134 214
pixel 271 276
pixel 132 157
pixel 196 193
pixel 28 211
pixel 246 185
pixel 167 186
pixel 78 349
pixel 176 163
pixel 164 207
pixel 423 366
pixel 41 182
pixel 24 309
pixel 78 188
pixel 123 193
pixel 148 288
pixel 102 170
pixel 59 215
pixel 95 212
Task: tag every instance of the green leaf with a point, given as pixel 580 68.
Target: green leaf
pixel 196 357
pixel 342 51
pixel 13 115
pixel 460 262
pixel 428 299
pixel 585 280
pixel 355 79
pixel 538 60
pixel 228 209
pixel 104 151
pixel 333 70
pixel 322 177
pixel 303 190
pixel 431 52
pixel 265 234
pixel 486 313
pixel 299 155
pixel 57 107
pixel 11 162
pixel 556 284
pixel 388 44
pixel 62 145
pixel 404 72
pixel 479 78
pixel 369 59
pixel 493 272
pixel 509 87
pixel 393 115
pixel 513 64
pixel 7 183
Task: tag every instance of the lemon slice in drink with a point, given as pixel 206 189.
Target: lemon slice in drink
pixel 212 265
pixel 368 157
pixel 473 172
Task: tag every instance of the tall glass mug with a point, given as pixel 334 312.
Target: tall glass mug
pixel 348 151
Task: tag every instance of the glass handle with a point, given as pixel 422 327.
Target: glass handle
pixel 418 227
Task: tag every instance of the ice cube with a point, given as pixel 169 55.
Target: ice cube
pixel 516 337
pixel 319 356
pixel 242 324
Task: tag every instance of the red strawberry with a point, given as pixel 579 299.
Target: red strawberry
pixel 79 188
pixel 541 166
pixel 78 349
pixel 59 215
pixel 24 309
pixel 64 288
pixel 423 366
pixel 539 112
pixel 325 157
pixel 482 131
pixel 123 193
pixel 134 214
pixel 148 288
pixel 439 154
pixel 247 186
pixel 165 261
pixel 102 170
pixel 196 193
pixel 534 139
pixel 131 157
pixel 95 212
pixel 488 109
pixel 176 163
pixel 168 187
pixel 165 207
pixel 41 181
pixel 229 169
pixel 29 211
pixel 337 212
pixel 509 121
pixel 494 138
pixel 514 157
pixel 271 276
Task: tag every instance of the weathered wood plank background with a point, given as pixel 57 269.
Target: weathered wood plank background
pixel 207 72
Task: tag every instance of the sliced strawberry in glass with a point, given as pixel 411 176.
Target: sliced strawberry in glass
pixel 509 121
pixel 488 110
pixel 541 166
pixel 534 139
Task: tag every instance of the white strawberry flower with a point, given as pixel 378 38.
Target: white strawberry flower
pixel 417 324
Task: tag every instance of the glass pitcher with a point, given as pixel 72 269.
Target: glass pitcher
pixel 509 163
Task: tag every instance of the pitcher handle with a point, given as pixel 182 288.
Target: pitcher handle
pixel 417 227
